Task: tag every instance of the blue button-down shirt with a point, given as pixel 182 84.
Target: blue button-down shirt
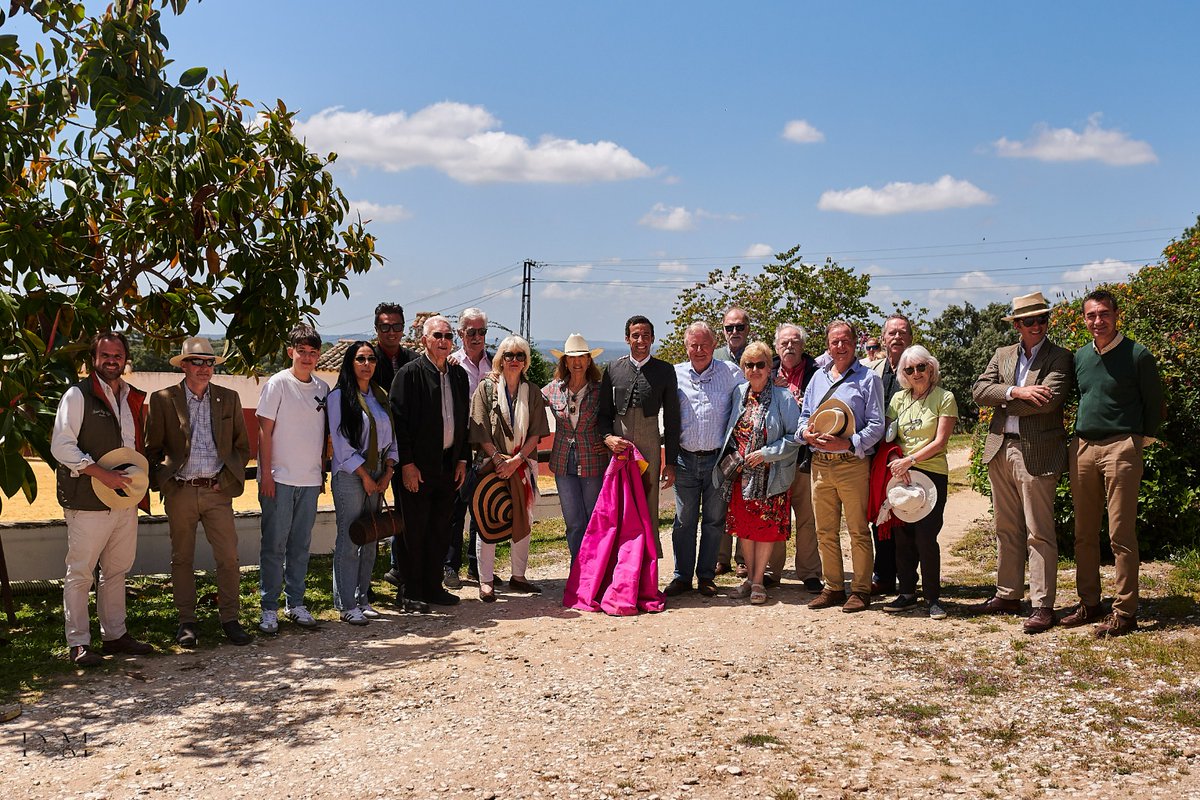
pixel 862 391
pixel 704 400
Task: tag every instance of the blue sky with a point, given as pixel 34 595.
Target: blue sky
pixel 645 143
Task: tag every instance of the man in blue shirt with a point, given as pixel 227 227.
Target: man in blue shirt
pixel 705 388
pixel 841 466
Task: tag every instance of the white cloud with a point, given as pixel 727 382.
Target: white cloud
pixel 464 142
pixel 759 250
pixel 801 132
pixel 379 212
pixel 675 267
pixel 902 198
pixel 973 286
pixel 1093 143
pixel 565 291
pixel 1108 270
pixel 678 218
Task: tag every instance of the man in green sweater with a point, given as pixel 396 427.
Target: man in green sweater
pixel 1120 408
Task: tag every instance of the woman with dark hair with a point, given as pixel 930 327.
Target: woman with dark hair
pixel 364 455
pixel 757 465
pixel 578 458
pixel 508 417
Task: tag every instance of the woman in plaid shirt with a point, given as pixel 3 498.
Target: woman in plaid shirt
pixel 579 457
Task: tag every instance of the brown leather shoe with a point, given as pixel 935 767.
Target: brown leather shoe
pixel 127 644
pixel 83 655
pixel 998 605
pixel 707 587
pixel 858 601
pixel 828 598
pixel 522 585
pixel 1040 621
pixel 1084 615
pixel 722 568
pixel 1115 625
pixel 741 571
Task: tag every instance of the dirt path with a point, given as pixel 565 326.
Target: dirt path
pixel 523 699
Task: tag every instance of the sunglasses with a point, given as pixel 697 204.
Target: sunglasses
pixel 1029 322
pixel 916 368
pixel 872 347
pixel 513 356
pixel 474 332
pixel 755 365
pixel 201 362
pixel 741 326
pixel 442 335
pixel 365 359
pixel 383 327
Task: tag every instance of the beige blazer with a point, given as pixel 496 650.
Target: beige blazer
pixel 169 437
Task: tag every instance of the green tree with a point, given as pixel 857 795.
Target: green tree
pixel 963 339
pixel 140 197
pixel 786 290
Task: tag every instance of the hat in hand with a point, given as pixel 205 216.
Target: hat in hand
pixel 913 501
pixel 135 467
pixel 492 507
pixel 833 418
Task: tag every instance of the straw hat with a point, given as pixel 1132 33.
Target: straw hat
pixel 576 345
pixel 135 467
pixel 196 347
pixel 912 502
pixel 492 507
pixel 833 418
pixel 1028 305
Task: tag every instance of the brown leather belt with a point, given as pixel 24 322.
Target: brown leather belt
pixel 203 483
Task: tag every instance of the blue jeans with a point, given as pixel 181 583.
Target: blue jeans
pixel 694 492
pixel 577 495
pixel 352 565
pixel 287 523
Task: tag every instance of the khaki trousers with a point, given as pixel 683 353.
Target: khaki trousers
pixel 1024 509
pixel 1107 474
pixel 643 432
pixel 808 557
pixel 107 538
pixel 840 484
pixel 186 506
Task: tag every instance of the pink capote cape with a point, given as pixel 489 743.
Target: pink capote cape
pixel 616 570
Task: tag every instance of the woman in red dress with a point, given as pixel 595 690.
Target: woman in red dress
pixel 759 460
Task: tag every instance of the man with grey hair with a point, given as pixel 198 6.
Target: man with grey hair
pixel 705 388
pixel 793 369
pixel 736 324
pixel 473 357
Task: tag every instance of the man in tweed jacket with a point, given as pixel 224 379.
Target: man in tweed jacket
pixel 1026 451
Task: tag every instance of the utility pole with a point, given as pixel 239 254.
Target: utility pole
pixel 526 297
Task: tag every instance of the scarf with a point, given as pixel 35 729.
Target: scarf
pixel 754 479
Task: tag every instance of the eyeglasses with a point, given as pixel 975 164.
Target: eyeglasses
pixel 755 365
pixel 513 356
pixel 872 347
pixel 740 326
pixel 442 335
pixel 365 359
pixel 395 327
pixel 1029 322
pixel 201 362
pixel 474 332
pixel 915 368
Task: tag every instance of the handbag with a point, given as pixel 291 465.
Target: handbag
pixel 375 525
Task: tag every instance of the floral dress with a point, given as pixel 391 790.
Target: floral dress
pixel 766 520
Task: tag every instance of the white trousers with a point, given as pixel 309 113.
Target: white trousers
pixel 486 554
pixel 107 538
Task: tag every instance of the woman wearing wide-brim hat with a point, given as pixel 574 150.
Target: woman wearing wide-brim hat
pixel 578 458
pixel 923 415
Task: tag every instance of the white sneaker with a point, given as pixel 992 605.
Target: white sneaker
pixel 270 622
pixel 369 612
pixel 936 611
pixel 300 616
pixel 354 616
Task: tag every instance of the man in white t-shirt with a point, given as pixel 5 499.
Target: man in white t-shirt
pixel 291 441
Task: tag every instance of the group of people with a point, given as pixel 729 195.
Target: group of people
pixel 752 438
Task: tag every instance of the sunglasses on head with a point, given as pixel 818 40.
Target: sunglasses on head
pixel 755 365
pixel 365 359
pixel 915 368
pixel 513 356
pixel 1029 322
pixel 474 332
pixel 442 335
pixel 740 326
pixel 384 327
pixel 200 362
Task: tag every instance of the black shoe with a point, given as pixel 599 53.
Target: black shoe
pixel 707 587
pixel 903 602
pixel 83 655
pixel 769 581
pixel 410 604
pixel 444 598
pixel 187 635
pixel 813 585
pixel 235 633
pixel 677 587
pixel 394 578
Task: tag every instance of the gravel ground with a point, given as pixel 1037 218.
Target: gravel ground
pixel 711 699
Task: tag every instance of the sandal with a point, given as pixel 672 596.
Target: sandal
pixel 758 594
pixel 742 590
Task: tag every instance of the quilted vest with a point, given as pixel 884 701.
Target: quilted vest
pixel 99 433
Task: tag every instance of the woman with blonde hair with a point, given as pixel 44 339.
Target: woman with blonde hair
pixel 508 417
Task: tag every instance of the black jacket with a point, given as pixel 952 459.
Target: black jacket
pixel 615 387
pixel 385 373
pixel 417 405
